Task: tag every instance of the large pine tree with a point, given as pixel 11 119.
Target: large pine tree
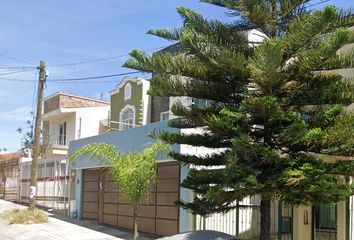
pixel 275 110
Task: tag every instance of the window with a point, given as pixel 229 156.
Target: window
pixel 326 217
pixel 127 91
pixel 62 134
pixel 127 117
pixel 164 116
pixel 201 102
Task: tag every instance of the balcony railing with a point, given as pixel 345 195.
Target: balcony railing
pixel 119 126
pixel 59 140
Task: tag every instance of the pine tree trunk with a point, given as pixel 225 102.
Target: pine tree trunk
pixel 265 219
pixel 135 220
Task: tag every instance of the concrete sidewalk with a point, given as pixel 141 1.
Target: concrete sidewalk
pixel 58 227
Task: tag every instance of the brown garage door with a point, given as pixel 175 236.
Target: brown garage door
pixel 91 180
pixel 158 214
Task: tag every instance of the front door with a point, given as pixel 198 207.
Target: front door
pixel 93 181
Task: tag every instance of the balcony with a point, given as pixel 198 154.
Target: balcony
pixel 58 145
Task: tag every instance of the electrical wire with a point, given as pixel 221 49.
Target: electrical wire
pixel 86 69
pixel 88 78
pixel 14 72
pixel 34 92
pixel 16 80
pixel 15 59
pixel 86 82
pixel 319 3
pixel 14 67
pixel 101 59
pixel 70 80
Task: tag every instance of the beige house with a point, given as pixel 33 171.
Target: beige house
pixel 66 117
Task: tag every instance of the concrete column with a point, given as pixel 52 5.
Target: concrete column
pixel 78 192
pixel 302 222
pixel 341 216
pixel 184 215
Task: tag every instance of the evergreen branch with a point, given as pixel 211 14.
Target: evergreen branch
pixel 194 139
pixel 302 30
pixel 341 167
pixel 171 35
pixel 214 159
pixel 318 56
pixel 220 3
pixel 292 8
pixel 139 61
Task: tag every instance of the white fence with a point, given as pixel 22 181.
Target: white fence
pixel 52 183
pixel 244 221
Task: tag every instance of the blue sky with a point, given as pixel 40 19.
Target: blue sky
pixel 73 31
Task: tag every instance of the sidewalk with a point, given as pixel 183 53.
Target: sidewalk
pixel 58 228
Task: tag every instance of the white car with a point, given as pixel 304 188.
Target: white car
pixel 200 235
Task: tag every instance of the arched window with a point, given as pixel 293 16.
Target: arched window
pixel 127 117
pixel 127 91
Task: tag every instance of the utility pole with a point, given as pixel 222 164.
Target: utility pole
pixel 37 134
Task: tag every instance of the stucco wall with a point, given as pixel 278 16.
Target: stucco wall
pixel 64 100
pixel 90 120
pixel 118 103
pixel 159 105
pixel 302 224
pixel 51 104
pixel 129 140
pixel 68 101
pixel 69 118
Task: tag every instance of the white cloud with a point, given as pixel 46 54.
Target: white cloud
pixel 21 114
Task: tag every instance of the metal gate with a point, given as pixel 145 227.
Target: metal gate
pixel 244 221
pixel 158 214
pixel 52 183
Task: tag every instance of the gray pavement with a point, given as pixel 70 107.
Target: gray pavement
pixel 58 227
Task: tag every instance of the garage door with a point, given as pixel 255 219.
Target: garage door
pixel 158 214
pixel 91 191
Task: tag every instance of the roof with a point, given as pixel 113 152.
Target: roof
pixel 138 80
pixel 75 96
pixel 174 48
pixel 10 157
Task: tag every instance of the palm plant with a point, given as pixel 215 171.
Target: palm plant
pixel 132 172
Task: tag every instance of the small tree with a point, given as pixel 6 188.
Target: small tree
pixel 28 138
pixel 132 172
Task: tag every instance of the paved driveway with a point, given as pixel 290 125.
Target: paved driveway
pixel 58 228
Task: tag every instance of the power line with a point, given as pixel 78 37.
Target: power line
pixel 89 61
pixel 14 67
pixel 101 59
pixel 84 82
pixel 15 80
pixel 94 77
pixel 68 80
pixel 319 3
pixel 15 59
pixel 14 72
pixel 86 69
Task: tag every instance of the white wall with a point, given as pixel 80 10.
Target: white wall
pixel 146 102
pixel 90 120
pixel 90 123
pixel 69 118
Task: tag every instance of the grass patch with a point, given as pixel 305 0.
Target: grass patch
pixel 25 216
